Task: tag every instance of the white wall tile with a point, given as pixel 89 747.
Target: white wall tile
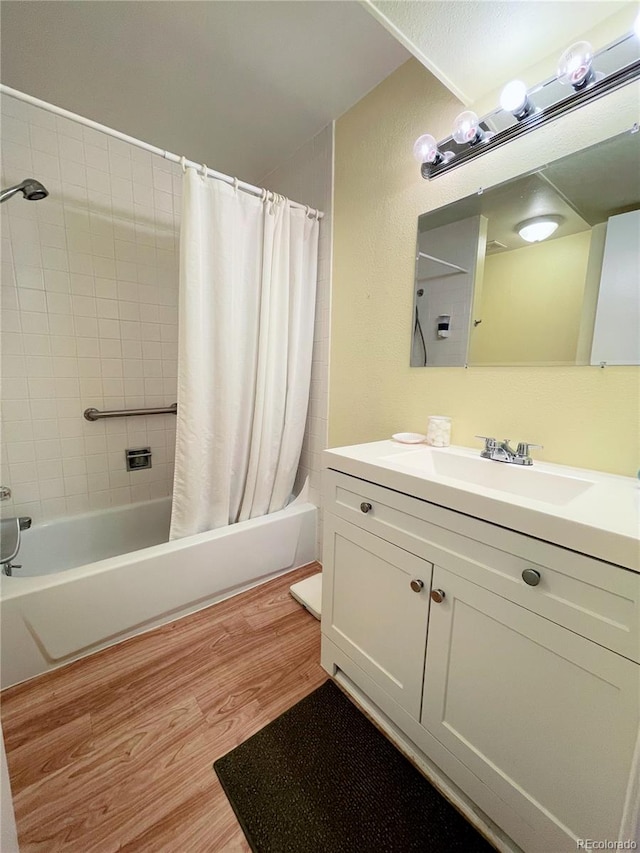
pixel 55 259
pixel 61 346
pixel 42 139
pixel 56 281
pixel 49 469
pixel 59 324
pixel 29 277
pixel 77 269
pixel 32 300
pixel 53 488
pixel 22 472
pixel 58 303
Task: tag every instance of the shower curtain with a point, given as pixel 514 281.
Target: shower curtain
pixel 248 269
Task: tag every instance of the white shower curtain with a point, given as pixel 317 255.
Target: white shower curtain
pixel 248 272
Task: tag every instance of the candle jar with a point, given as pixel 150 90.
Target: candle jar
pixel 439 431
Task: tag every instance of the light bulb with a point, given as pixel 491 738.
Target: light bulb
pixel 574 66
pixel 514 99
pixel 539 228
pixel 466 129
pixel 425 149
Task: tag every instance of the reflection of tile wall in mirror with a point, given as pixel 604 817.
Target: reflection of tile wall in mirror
pixel 446 265
pixel 537 303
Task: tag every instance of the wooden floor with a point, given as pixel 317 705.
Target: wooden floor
pixel 114 752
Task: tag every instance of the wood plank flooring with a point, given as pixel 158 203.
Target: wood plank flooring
pixel 115 752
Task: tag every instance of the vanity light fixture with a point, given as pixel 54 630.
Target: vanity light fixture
pixel 538 228
pixel 515 100
pixel 582 77
pixel 425 150
pixel 467 130
pixel 575 66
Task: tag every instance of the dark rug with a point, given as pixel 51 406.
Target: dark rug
pixel 321 777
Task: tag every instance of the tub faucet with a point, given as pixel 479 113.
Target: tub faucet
pixel 501 451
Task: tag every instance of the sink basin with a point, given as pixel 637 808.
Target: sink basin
pixel 526 482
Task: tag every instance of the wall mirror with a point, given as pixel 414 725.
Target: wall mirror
pixel 543 269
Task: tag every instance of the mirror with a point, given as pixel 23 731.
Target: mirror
pixel 485 295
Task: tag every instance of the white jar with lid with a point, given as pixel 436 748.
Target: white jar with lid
pixel 439 431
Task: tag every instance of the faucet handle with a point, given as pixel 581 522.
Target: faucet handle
pixel 524 447
pixel 490 445
pixel 522 453
pixel 489 442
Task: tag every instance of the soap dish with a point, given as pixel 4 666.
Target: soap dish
pixel 409 437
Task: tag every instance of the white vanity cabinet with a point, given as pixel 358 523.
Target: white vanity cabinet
pixel 379 609
pixel 547 718
pixel 527 697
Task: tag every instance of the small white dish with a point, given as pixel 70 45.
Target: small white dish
pixel 409 437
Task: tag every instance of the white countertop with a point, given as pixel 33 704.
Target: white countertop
pixel 602 522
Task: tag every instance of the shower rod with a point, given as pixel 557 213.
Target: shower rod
pixel 167 155
pixel 95 415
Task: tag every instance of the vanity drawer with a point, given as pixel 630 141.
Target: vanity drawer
pixel 592 598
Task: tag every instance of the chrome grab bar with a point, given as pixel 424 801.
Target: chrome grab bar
pixel 95 415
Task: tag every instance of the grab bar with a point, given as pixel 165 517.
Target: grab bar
pixel 95 415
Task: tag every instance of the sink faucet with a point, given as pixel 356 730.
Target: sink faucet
pixel 501 451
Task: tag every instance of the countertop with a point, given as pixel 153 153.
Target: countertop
pixel 602 522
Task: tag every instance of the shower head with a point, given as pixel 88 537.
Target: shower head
pixel 31 189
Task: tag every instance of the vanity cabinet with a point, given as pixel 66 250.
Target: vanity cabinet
pixel 510 663
pixel 379 609
pixel 547 718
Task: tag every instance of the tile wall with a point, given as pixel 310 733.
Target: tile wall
pixel 447 293
pixel 89 315
pixel 307 177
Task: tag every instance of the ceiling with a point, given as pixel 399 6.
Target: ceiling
pixel 475 47
pixel 238 85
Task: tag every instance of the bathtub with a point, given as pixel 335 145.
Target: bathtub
pixel 90 581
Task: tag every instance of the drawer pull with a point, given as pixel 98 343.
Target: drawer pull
pixel 417 585
pixel 531 577
pixel 365 507
pixel 438 595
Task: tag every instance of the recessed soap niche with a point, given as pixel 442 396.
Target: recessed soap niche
pixel 139 459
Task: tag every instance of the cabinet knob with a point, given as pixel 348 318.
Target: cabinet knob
pixel 417 585
pixel 438 595
pixel 531 577
pixel 365 507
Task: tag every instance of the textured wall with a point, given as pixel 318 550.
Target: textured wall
pixel 584 416
pixel 89 315
pixel 307 177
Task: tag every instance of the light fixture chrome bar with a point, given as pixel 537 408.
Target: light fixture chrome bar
pixel 614 80
pixel 95 415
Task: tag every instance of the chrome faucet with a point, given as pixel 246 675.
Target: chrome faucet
pixel 501 451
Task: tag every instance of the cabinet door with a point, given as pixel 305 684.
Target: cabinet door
pixel 545 718
pixel 370 611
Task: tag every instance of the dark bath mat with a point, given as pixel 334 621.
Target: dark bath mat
pixel 322 779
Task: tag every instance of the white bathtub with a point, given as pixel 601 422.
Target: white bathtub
pixel 90 581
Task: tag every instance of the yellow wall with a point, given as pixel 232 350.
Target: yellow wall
pixel 532 303
pixel 584 416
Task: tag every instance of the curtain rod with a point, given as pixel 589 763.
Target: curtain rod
pixel 167 155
